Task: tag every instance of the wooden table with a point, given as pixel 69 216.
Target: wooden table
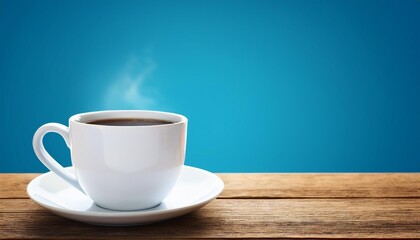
pixel 251 206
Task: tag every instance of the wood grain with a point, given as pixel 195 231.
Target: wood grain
pixel 235 218
pixel 348 185
pixel 351 185
pixel 289 206
pixel 14 185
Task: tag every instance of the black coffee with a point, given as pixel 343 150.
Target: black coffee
pixel 130 122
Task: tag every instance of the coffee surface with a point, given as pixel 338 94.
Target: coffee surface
pixel 129 122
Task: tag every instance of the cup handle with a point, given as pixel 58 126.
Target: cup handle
pixel 46 158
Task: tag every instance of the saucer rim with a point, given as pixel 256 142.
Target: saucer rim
pixel 213 194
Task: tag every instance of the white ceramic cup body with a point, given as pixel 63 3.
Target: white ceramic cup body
pixel 127 167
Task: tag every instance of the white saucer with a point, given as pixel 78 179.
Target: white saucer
pixel 195 188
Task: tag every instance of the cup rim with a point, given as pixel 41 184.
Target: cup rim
pixel 76 119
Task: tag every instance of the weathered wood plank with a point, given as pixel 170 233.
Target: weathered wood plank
pixel 281 185
pixel 241 218
pixel 350 185
pixel 11 205
pixel 14 185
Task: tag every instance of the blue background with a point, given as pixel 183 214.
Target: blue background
pixel 268 86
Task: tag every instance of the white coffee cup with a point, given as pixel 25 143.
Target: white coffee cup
pixel 120 167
